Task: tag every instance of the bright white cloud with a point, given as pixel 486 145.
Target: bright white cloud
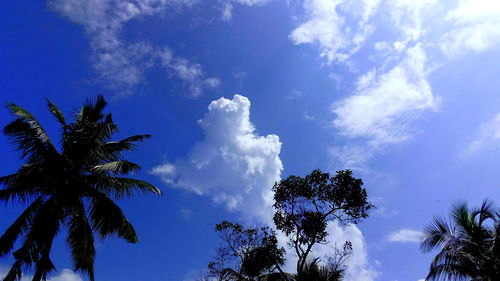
pixel 64 275
pixel 122 65
pixel 384 104
pixel 358 267
pixel 476 27
pixel 232 164
pixel 406 235
pixel 326 25
pixel 235 166
pixel 489 134
pixel 410 17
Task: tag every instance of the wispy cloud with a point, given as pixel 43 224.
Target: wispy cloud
pixel 294 94
pixel 476 28
pixel 384 104
pixel 406 235
pixel 325 25
pixel 122 65
pixel 489 134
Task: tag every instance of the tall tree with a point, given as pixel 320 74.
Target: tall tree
pixel 72 187
pixel 304 207
pixel 469 243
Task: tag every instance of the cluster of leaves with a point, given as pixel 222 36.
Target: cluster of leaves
pixel 305 206
pixel 246 254
pixel 469 242
pixel 73 187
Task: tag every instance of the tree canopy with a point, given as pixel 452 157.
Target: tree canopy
pixel 304 207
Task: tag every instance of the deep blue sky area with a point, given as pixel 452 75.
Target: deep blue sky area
pixel 238 94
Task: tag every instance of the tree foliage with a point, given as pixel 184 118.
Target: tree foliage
pixel 72 187
pixel 247 254
pixel 304 206
pixel 469 244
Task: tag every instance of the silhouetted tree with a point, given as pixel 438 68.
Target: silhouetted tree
pixel 469 243
pixel 304 206
pixel 71 187
pixel 246 254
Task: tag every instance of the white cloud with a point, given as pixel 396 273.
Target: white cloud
pixel 227 11
pixel 232 164
pixel 64 275
pixel 358 267
pixel 354 157
pixel 385 104
pixel 409 17
pixel 476 27
pixel 308 117
pixel 235 166
pixel 489 134
pixel 121 65
pixel 294 94
pixel 406 235
pixel 227 7
pixel 240 75
pixel 326 25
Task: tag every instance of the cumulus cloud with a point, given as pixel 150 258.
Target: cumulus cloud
pixel 122 65
pixel 489 134
pixel 64 275
pixel 384 104
pixel 237 167
pixel 358 268
pixel 232 164
pixel 326 25
pixel 476 27
pixel 406 235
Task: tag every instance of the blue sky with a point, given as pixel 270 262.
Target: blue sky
pixel 240 93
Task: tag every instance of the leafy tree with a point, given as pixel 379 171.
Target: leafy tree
pixel 304 206
pixel 247 254
pixel 72 187
pixel 469 243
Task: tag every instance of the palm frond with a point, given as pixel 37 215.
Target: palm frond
pixel 120 187
pixel 23 185
pixel 107 218
pixel 38 239
pixel 56 112
pixel 27 134
pixel 125 144
pixel 15 272
pixel 122 167
pixel 438 234
pixel 81 240
pixel 19 226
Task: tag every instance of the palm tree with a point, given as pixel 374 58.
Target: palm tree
pixel 72 187
pixel 313 271
pixel 469 243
